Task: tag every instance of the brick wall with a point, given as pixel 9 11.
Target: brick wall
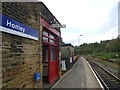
pixel 20 56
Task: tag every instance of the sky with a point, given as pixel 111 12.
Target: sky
pixel 95 20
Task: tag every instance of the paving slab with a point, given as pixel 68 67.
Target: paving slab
pixel 81 76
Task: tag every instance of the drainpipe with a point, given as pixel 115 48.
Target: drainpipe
pixel 40 51
pixel 60 55
pixel 1 47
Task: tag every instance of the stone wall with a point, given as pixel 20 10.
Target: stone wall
pixel 0 49
pixel 20 56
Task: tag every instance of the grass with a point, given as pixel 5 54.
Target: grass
pixel 104 55
pixel 115 66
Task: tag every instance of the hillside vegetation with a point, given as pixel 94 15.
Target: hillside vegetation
pixel 105 52
pixel 105 49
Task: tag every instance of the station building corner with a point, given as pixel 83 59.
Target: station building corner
pixel 30 47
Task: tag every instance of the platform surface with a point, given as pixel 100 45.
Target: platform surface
pixel 81 76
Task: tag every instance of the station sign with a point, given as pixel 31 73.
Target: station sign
pixel 12 26
pixel 58 26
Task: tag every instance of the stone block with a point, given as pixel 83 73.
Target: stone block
pixel 20 55
pixel 8 78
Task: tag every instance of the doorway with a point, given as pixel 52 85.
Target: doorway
pixel 45 63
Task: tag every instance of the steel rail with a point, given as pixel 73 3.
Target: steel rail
pixel 106 81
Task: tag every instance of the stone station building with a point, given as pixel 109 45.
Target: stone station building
pixel 30 46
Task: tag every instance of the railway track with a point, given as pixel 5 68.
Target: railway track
pixel 108 80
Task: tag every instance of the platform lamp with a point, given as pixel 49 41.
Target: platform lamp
pixel 79 39
pixel 55 24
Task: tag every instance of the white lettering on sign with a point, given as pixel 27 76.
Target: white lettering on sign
pixel 18 27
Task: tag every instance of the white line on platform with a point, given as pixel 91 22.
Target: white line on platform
pixel 95 76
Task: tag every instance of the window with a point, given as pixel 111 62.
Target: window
pixel 52 41
pixel 45 39
pixel 45 33
pixel 53 53
pixel 51 36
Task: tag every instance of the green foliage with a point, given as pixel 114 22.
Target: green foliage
pixel 105 49
pixel 115 66
pixel 65 53
pixel 104 55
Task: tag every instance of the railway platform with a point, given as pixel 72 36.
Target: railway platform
pixel 81 76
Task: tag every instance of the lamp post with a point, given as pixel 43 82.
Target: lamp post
pixel 79 39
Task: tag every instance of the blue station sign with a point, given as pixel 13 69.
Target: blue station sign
pixel 37 76
pixel 12 26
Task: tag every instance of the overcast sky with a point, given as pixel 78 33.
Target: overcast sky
pixel 95 20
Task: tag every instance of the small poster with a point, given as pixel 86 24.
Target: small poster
pixel 70 59
pixel 63 65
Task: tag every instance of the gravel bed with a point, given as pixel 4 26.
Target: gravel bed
pixel 113 71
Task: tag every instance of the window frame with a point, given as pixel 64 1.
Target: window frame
pixel 49 38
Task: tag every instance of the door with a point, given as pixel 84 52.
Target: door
pixel 53 64
pixel 52 41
